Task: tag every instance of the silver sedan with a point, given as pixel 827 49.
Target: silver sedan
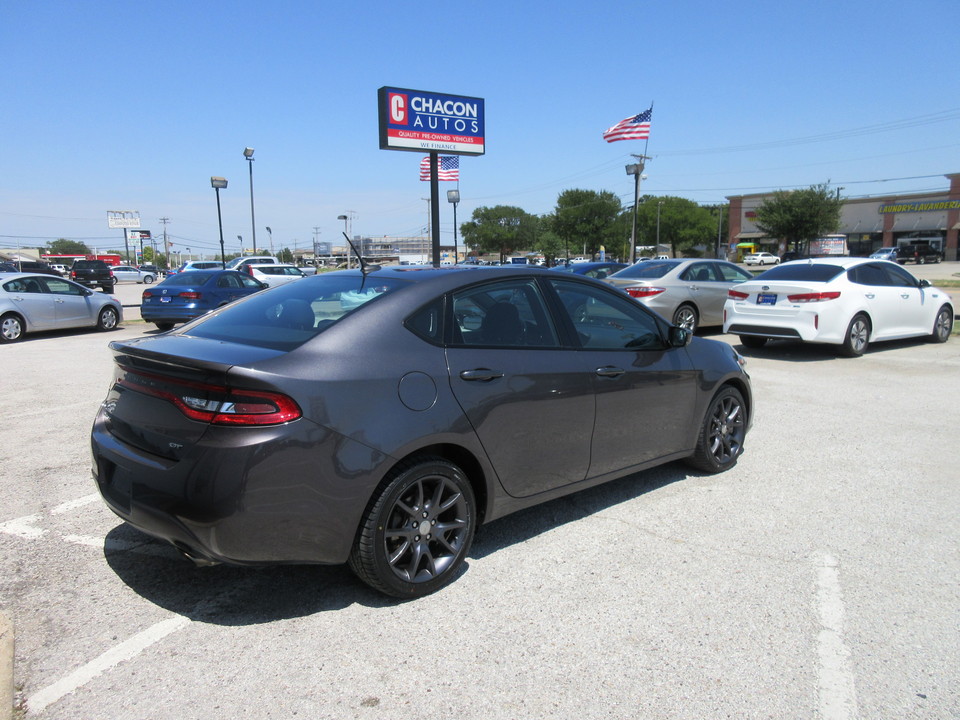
pixel 30 303
pixel 130 274
pixel 688 292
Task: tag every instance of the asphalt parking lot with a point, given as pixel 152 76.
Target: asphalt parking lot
pixel 818 578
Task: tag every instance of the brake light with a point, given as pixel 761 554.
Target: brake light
pixel 190 295
pixel 643 291
pixel 813 297
pixel 214 404
pixel 737 295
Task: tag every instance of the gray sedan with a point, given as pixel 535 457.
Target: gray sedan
pixel 130 274
pixel 30 303
pixel 379 417
pixel 688 292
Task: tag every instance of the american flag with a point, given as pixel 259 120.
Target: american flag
pixel 448 168
pixel 636 127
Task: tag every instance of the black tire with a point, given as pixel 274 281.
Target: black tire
pixel 857 338
pixel 686 316
pixel 148 279
pixel 754 342
pixel 107 287
pixel 942 325
pixel 164 326
pixel 921 260
pixel 11 328
pixel 722 433
pixel 417 530
pixel 108 319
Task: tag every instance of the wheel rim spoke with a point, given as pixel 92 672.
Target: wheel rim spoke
pixel 727 429
pixel 426 531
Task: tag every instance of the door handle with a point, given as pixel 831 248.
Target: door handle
pixel 610 371
pixel 481 374
pixel 870 296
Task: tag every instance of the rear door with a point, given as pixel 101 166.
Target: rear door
pixel 31 299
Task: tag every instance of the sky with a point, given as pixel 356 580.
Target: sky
pixel 113 105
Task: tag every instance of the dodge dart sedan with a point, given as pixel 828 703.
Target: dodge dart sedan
pixel 377 417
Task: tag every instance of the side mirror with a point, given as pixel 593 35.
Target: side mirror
pixel 679 337
pixel 924 283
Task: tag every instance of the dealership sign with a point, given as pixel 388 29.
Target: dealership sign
pixel 427 122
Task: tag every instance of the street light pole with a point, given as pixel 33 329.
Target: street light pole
pixel 453 196
pixel 216 183
pixel 270 233
pixel 636 169
pixel 248 154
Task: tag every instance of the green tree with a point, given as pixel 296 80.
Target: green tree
pixel 677 222
pixel 587 219
pixel 798 216
pixel 501 229
pixel 67 247
pixel 285 256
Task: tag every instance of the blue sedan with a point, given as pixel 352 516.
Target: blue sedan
pixel 598 270
pixel 188 295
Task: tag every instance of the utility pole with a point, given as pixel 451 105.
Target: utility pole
pixel 166 246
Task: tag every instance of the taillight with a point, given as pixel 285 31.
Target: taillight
pixel 813 297
pixel 146 294
pixel 190 295
pixel 643 291
pixel 737 295
pixel 213 404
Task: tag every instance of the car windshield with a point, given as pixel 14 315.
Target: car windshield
pixel 291 314
pixel 649 269
pixel 808 272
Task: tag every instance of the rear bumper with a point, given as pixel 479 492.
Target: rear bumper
pixel 258 496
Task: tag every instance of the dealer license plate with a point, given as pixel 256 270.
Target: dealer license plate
pixel 165 299
pixel 766 299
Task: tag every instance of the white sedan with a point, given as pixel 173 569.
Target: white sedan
pixel 276 274
pixel 761 258
pixel 843 301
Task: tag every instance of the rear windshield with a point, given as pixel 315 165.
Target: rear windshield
pixel 810 272
pixel 648 269
pixel 190 277
pixel 286 317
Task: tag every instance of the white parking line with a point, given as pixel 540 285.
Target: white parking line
pixel 23 527
pixel 838 694
pixel 74 504
pixel 114 656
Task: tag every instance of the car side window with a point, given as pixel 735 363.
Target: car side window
pixel 228 281
pixel 698 272
pixel 250 282
pixel 62 287
pixel 607 321
pixel 872 275
pixel 900 277
pixel 33 285
pixel 732 273
pixel 509 313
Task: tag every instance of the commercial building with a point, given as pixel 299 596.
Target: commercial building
pixel 866 224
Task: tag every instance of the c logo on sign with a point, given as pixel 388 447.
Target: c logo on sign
pixel 398 109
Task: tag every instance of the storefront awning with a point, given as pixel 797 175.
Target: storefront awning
pixel 750 235
pixel 749 245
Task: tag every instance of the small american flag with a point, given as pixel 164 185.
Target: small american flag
pixel 636 127
pixel 448 168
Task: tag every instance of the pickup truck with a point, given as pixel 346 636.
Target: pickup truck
pixel 91 273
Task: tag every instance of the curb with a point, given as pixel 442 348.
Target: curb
pixel 6 667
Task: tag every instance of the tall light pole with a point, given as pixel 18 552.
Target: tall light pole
pixel 248 154
pixel 636 169
pixel 659 204
pixel 216 183
pixel 346 232
pixel 240 240
pixel 453 196
pixel 270 233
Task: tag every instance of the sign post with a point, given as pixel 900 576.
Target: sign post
pixel 429 122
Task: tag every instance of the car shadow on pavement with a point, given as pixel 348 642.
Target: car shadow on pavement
pixel 797 351
pixel 238 596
